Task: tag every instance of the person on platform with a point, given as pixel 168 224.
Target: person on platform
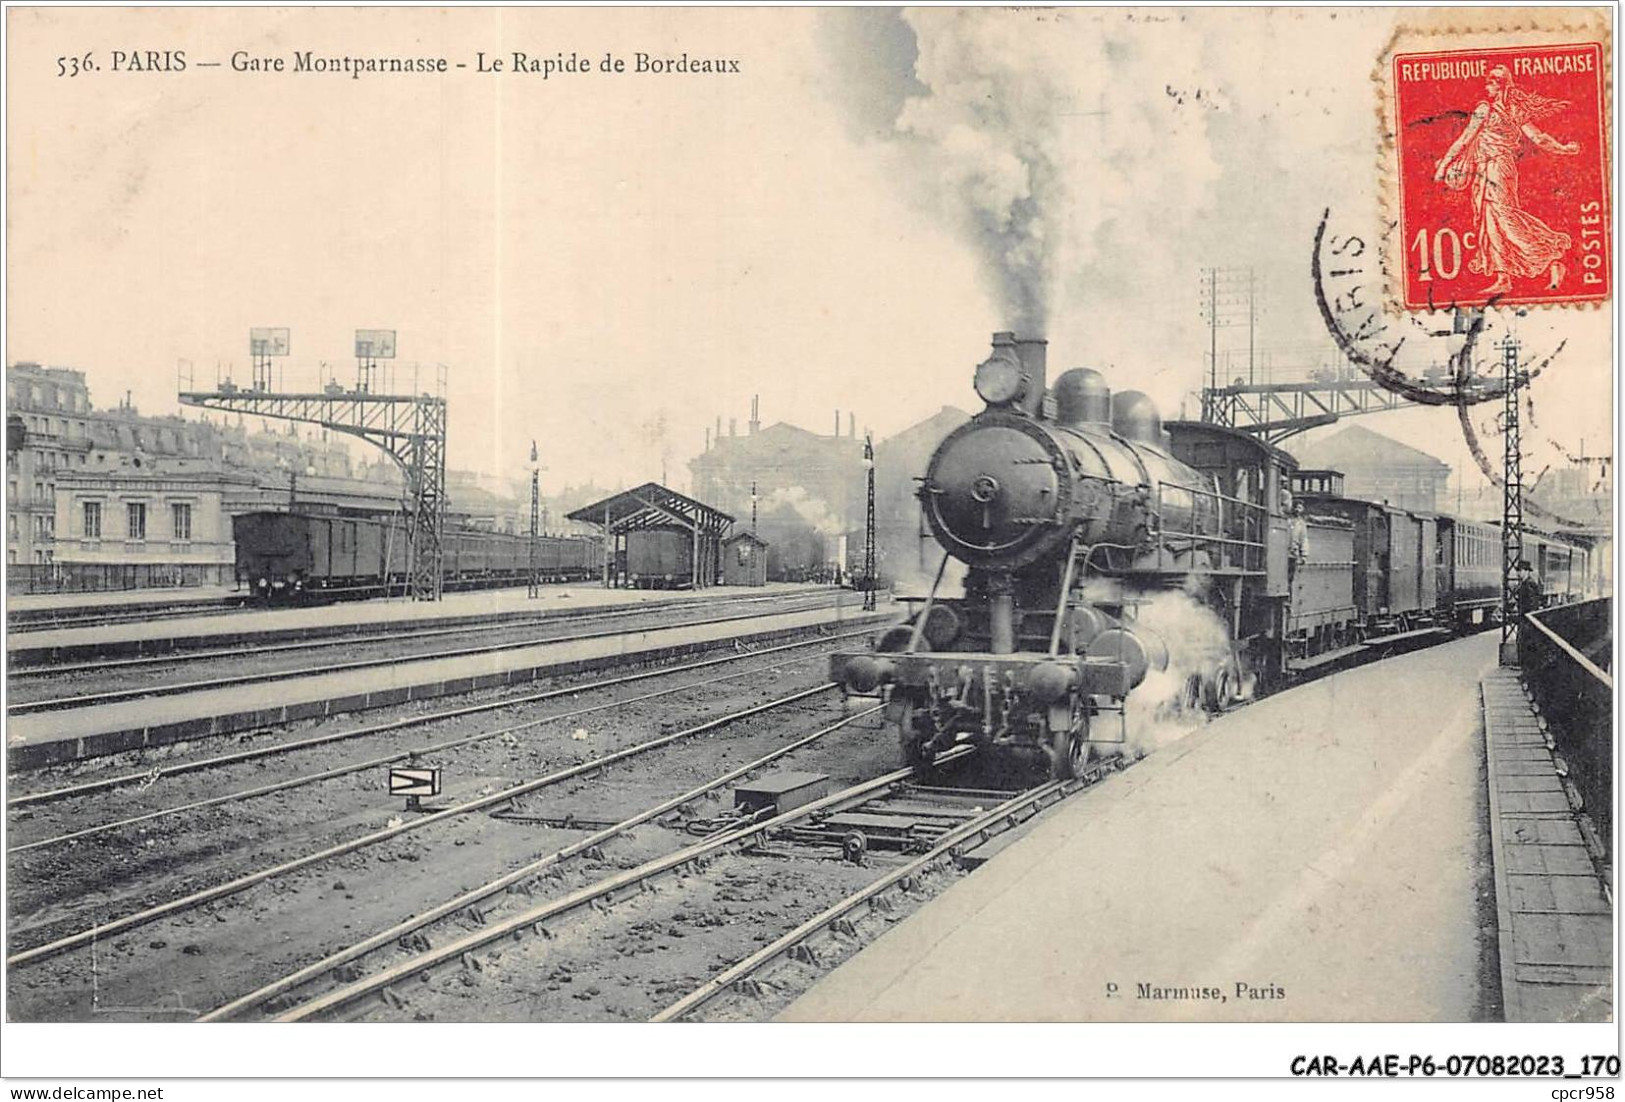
pixel 1529 592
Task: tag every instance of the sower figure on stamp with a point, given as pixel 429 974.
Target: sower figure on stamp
pixel 1511 241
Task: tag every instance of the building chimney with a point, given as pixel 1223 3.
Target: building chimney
pixel 852 425
pixel 707 437
pixel 719 427
pixel 755 413
pixel 837 432
pixel 733 426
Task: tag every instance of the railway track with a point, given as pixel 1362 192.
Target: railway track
pixel 59 619
pixel 27 622
pixel 101 931
pixel 277 640
pixel 151 777
pixel 834 932
pixel 530 929
pixel 112 696
pixel 280 990
pixel 148 777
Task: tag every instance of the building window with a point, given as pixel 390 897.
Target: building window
pixel 181 515
pixel 11 525
pixel 39 493
pixel 44 527
pixel 93 520
pixel 137 516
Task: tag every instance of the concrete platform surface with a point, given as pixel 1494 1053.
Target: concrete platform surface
pixel 119 598
pixel 1320 855
pixel 43 738
pixel 472 606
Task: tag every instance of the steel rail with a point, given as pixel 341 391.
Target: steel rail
pixel 387 759
pixel 564 616
pixel 237 757
pixel 231 887
pixel 582 896
pixel 981 827
pixel 117 696
pixel 417 922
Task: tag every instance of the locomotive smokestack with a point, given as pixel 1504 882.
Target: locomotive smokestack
pixel 1033 352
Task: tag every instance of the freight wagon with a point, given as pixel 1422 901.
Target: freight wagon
pixel 311 556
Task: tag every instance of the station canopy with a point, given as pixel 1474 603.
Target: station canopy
pixel 652 505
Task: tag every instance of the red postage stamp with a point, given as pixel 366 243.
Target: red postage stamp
pixel 1502 175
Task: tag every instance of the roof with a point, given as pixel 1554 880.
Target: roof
pixel 652 505
pixel 1362 448
pixel 1241 436
pixel 740 537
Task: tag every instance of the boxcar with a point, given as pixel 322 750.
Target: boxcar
pixel 659 558
pixel 1395 575
pixel 289 556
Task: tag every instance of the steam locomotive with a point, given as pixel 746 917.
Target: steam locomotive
pixel 1102 549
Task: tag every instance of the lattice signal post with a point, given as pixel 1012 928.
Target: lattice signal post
pixel 869 525
pixel 410 427
pixel 535 589
pixel 1514 378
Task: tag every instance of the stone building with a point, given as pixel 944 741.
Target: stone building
pixel 1379 468
pixel 796 473
pixel 53 405
pixel 805 480
pixel 125 527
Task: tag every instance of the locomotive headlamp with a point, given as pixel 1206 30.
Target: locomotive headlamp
pixel 1000 379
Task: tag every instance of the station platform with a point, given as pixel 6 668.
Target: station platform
pixel 180 596
pixel 1319 856
pixel 291 624
pixel 1555 915
pixel 44 738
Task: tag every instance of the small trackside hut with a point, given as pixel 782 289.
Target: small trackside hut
pixel 744 559
pixel 657 538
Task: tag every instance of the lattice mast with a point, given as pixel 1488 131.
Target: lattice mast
pixel 411 428
pixel 869 525
pixel 1513 379
pixel 535 514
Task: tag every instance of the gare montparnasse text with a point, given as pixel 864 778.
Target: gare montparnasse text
pixel 518 61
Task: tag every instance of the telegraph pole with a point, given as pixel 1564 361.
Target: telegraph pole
pixel 869 525
pixel 1225 291
pixel 535 512
pixel 1512 379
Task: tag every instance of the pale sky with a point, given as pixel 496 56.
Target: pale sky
pixel 593 253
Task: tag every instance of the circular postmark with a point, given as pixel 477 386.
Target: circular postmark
pixel 1432 358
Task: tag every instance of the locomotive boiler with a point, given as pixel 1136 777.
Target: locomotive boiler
pixel 1072 509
